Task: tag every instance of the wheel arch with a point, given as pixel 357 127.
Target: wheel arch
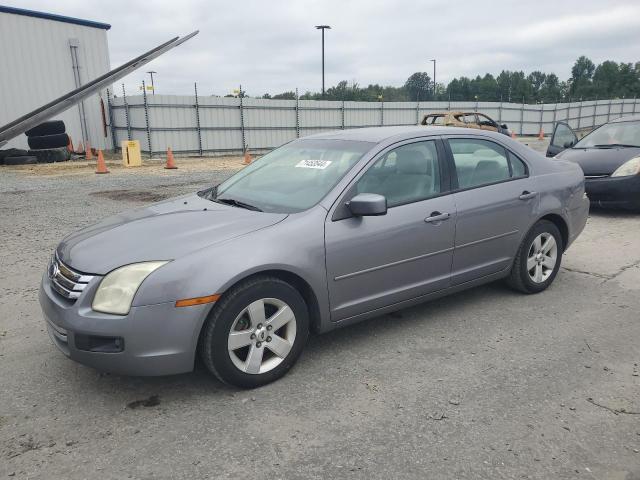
pixel 562 225
pixel 296 281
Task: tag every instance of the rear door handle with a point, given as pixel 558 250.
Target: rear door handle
pixel 437 217
pixel 527 195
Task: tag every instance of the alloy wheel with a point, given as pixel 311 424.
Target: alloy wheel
pixel 262 336
pixel 542 257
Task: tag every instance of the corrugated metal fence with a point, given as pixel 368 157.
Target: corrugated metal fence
pixel 213 125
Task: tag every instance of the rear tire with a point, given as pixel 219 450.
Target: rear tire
pixel 244 341
pixel 538 259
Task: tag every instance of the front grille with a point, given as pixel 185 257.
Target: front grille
pixel 65 281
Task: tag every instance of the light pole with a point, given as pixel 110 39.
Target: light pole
pixel 323 28
pixel 153 88
pixel 434 77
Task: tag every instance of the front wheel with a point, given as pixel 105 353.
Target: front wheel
pixel 538 259
pixel 256 333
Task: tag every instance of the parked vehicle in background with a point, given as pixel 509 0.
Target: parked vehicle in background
pixel 322 232
pixel 465 120
pixel 609 157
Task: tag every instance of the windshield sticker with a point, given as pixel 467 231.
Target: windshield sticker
pixel 317 164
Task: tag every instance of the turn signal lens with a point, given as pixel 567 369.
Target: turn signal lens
pixel 190 302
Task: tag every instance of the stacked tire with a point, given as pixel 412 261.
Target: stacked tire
pixel 48 143
pixel 16 156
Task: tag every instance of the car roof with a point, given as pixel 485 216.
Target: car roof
pixel 626 118
pixel 379 134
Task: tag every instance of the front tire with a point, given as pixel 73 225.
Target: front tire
pixel 255 333
pixel 538 259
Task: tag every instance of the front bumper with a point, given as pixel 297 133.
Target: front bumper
pixel 614 192
pixel 157 339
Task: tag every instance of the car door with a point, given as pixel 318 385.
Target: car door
pixel 486 123
pixel 495 201
pixel 375 261
pixel 562 138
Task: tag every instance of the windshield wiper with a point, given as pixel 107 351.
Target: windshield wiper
pixel 615 145
pixel 237 203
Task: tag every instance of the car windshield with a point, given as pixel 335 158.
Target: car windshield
pixel 617 134
pixel 291 178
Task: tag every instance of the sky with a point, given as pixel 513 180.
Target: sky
pixel 272 46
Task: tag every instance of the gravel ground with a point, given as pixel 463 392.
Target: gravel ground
pixel 487 383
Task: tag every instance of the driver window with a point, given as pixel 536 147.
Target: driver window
pixel 406 174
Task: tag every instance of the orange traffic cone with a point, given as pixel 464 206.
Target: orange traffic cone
pixel 88 154
pixel 80 148
pixel 247 157
pixel 541 134
pixel 171 164
pixel 102 166
pixel 513 134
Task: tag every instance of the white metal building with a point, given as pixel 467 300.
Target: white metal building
pixel 44 56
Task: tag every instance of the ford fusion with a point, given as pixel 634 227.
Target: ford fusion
pixel 320 233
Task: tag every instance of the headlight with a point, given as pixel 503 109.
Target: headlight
pixel 116 291
pixel 631 167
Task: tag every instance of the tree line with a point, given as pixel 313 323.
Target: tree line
pixel 587 82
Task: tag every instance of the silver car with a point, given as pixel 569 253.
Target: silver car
pixel 320 233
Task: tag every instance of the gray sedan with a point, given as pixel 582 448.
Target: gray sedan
pixel 320 233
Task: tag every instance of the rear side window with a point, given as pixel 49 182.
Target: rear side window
pixel 482 162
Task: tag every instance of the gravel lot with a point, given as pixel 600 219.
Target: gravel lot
pixel 487 383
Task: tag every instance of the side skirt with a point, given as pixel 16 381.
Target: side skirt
pixel 417 300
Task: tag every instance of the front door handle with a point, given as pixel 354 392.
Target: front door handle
pixel 436 217
pixel 527 195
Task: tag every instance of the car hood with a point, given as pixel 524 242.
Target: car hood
pixel 599 161
pixel 162 231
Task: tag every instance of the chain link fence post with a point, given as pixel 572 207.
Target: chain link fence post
pixel 580 113
pixel 418 113
pixel 634 104
pixel 555 113
pixel 197 106
pixel 244 141
pixel 146 118
pixel 500 111
pixel 382 113
pixel 297 114
pixel 522 118
pixel 114 141
pixel 541 117
pixel 126 112
pixel 595 110
pixel 342 115
pixel 609 110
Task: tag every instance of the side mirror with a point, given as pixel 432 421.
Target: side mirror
pixel 368 204
pixel 568 144
pixel 504 125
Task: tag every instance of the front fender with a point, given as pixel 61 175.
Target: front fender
pixel 295 245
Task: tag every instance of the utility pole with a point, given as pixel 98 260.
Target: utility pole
pixel 323 28
pixel 153 88
pixel 434 77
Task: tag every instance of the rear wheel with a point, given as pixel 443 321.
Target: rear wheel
pixel 256 332
pixel 538 259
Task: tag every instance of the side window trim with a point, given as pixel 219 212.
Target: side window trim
pixel 446 176
pixel 451 164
